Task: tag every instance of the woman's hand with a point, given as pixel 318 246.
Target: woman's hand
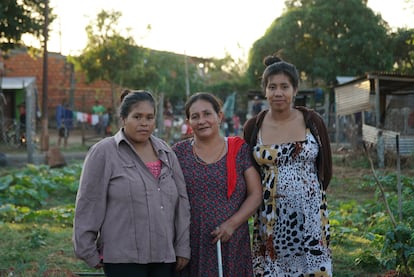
pixel 223 232
pixel 99 265
pixel 181 263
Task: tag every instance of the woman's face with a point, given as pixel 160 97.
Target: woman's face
pixel 140 122
pixel 280 92
pixel 203 119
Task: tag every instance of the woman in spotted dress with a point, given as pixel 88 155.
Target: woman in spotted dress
pixel 223 188
pixel 292 152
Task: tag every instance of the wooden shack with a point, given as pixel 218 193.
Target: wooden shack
pixel 382 104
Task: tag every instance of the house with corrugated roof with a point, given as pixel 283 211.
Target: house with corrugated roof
pixel 380 106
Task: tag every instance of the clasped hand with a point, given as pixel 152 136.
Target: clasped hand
pixel 222 232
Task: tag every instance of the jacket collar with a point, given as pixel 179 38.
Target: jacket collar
pixel 157 143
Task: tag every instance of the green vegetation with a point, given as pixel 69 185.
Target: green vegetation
pixel 21 17
pixel 36 215
pixel 37 203
pixel 364 240
pixel 320 37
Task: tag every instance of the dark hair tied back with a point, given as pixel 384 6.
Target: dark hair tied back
pixel 124 93
pixel 130 97
pixel 275 65
pixel 271 60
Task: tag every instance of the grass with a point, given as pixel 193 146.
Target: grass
pixel 32 249
pixel 39 243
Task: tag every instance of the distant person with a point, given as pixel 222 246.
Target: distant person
pixel 98 110
pixel 168 120
pixel 291 147
pixel 228 126
pixel 132 214
pixel 22 117
pixel 186 130
pixel 236 124
pixel 59 113
pixel 22 123
pixel 257 106
pixel 66 124
pixel 107 119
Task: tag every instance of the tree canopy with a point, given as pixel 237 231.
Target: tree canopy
pixel 21 17
pixel 324 39
pixel 117 59
pixel 107 55
pixel 403 49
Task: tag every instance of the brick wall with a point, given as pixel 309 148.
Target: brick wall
pixel 18 63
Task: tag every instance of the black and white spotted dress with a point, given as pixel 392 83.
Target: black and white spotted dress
pixel 291 230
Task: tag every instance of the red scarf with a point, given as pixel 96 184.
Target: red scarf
pixel 233 144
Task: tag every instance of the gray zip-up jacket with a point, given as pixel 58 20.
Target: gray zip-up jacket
pixel 123 213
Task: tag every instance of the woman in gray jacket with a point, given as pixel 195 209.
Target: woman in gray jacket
pixel 132 213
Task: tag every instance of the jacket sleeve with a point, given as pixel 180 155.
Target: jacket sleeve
pixel 90 206
pixel 327 155
pixel 248 130
pixel 182 212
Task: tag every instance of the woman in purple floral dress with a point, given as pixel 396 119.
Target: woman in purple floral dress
pixel 224 191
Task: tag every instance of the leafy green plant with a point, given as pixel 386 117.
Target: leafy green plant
pixel 39 193
pixel 37 238
pixel 36 233
pixel 398 237
pixel 400 241
pixel 368 260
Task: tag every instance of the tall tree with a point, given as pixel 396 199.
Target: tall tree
pixel 118 60
pixel 21 17
pixel 324 39
pixel 164 72
pixel 403 45
pixel 108 55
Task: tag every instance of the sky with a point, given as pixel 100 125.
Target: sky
pixel 197 28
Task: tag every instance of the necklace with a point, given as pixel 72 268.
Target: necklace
pixel 200 161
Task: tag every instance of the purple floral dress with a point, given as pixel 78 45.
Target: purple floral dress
pixel 207 191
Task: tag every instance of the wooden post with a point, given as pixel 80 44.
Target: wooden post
pixel 397 143
pixel 45 123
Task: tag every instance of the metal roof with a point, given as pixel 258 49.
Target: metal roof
pixel 16 82
pixel 389 83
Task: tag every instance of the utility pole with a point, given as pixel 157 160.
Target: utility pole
pixel 45 124
pixel 187 81
pixel 3 103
